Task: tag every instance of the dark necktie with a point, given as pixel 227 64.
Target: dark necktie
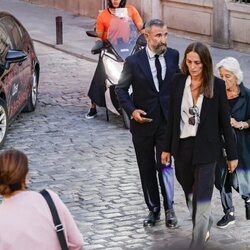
pixel 158 69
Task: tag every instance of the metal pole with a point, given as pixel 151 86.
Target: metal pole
pixel 59 30
pixel 104 4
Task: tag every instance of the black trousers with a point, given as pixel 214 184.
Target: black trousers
pixel 97 87
pixel 148 151
pixel 225 182
pixel 197 181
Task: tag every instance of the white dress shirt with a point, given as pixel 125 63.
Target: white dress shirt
pixel 151 59
pixel 186 129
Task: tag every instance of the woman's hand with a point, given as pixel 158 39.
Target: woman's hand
pixel 239 125
pixel 235 124
pixel 231 165
pixel 165 158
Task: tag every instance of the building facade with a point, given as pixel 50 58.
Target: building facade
pixel 222 23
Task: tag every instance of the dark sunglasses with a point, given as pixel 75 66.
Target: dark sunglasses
pixel 194 111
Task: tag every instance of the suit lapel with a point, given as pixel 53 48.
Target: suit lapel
pixel 167 67
pixel 238 104
pixel 204 108
pixel 180 94
pixel 145 67
pixel 241 100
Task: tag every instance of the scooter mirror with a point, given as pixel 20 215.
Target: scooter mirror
pixel 91 33
pixel 97 47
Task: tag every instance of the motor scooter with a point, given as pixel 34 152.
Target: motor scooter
pixel 123 40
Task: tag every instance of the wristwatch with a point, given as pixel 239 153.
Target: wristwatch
pixel 241 126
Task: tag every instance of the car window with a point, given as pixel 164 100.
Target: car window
pixel 14 31
pixel 5 44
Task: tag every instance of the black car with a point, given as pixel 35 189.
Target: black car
pixel 19 72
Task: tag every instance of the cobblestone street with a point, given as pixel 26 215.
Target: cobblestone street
pixel 91 165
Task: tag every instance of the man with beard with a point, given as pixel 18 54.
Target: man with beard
pixel 149 71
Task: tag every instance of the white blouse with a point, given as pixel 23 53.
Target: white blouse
pixel 186 129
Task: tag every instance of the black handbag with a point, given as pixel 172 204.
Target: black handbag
pixel 58 225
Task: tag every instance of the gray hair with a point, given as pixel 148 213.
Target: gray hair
pixel 231 64
pixel 154 22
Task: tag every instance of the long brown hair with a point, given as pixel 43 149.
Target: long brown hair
pixel 13 171
pixel 207 71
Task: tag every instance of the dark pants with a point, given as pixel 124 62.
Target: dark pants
pixel 197 181
pixel 224 182
pixel 148 151
pixel 97 87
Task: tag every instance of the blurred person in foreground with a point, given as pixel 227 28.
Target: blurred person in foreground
pixel 25 218
pixel 197 115
pixel 97 86
pixel 149 71
pixel 239 103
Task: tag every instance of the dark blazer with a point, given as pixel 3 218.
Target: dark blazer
pixel 214 120
pixel 241 112
pixel 137 72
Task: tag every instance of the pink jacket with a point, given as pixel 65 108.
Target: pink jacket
pixel 26 223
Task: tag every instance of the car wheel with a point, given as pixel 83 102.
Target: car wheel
pixel 3 121
pixel 31 105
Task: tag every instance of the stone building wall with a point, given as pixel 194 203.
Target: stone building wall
pixel 222 23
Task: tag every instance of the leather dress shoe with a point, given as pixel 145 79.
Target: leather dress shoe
pixel 151 219
pixel 170 218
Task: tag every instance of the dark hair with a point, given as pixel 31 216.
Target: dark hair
pixel 207 71
pixel 121 5
pixel 13 170
pixel 154 22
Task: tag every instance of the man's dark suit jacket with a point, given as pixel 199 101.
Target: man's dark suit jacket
pixel 137 72
pixel 214 120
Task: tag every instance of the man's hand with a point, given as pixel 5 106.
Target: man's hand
pixel 136 115
pixel 165 158
pixel 231 165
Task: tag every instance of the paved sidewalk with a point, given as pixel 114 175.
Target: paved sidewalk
pixel 105 199
pixel 40 22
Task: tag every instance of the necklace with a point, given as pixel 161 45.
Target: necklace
pixel 195 84
pixel 193 89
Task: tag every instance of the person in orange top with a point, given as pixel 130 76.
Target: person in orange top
pixel 97 87
pixel 104 18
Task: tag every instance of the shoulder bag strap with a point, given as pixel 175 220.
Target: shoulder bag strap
pixel 58 225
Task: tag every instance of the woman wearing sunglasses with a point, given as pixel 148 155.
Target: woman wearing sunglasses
pixel 198 114
pixel 239 102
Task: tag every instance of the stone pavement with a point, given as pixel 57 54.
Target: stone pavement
pixel 91 163
pixel 40 22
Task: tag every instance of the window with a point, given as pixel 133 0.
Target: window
pixel 14 31
pixel 5 44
